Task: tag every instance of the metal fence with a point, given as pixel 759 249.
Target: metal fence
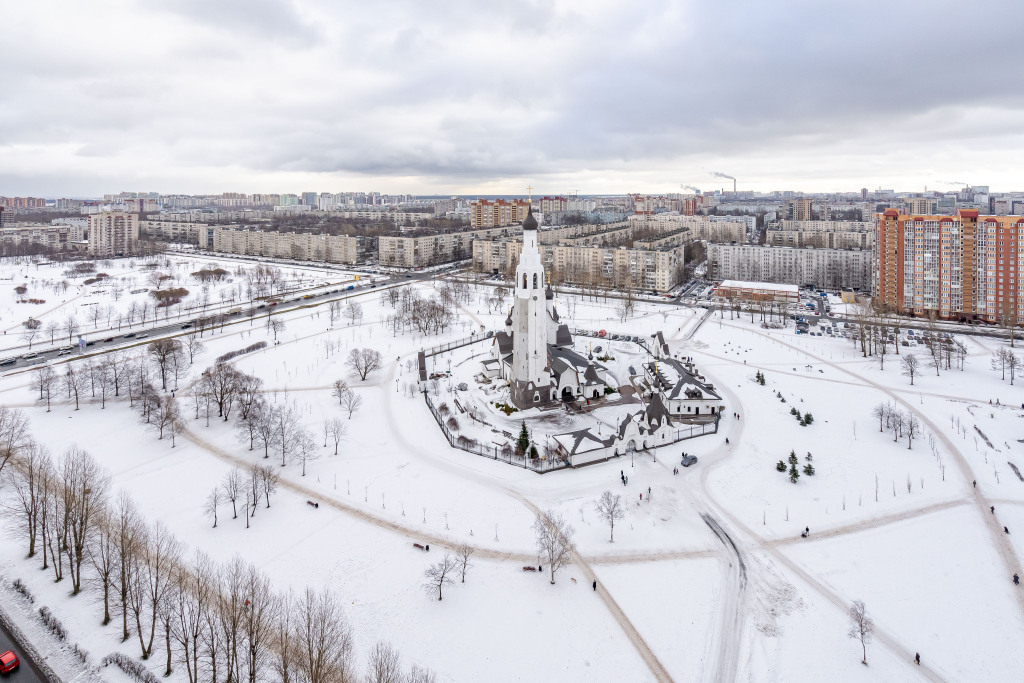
pixel 495 452
pixel 442 348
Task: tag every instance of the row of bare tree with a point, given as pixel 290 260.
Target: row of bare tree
pixel 413 312
pixel 900 423
pixel 220 622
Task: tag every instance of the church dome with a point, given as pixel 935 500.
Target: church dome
pixel 530 223
pixel 549 295
pixel 508 321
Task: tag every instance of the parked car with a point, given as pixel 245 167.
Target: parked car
pixel 8 662
pixel 597 349
pixel 632 370
pixel 688 460
pixel 601 334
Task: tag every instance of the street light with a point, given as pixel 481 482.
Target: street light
pixel 396 386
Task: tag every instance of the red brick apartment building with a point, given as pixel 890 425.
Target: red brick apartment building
pixel 962 267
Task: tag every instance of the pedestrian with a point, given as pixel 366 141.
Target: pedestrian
pixel 917 658
pixel 726 441
pixel 641 495
pixel 1016 580
pixel 993 509
pixel 974 483
pixel 595 585
pixel 648 493
pixel 807 529
pixel 1006 530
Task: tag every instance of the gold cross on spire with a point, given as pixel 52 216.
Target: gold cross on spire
pixel 529 189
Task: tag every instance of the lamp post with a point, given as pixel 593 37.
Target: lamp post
pixel 396 386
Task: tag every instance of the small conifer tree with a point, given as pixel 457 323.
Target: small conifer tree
pixel 793 473
pixel 781 466
pixel 809 470
pixel 523 442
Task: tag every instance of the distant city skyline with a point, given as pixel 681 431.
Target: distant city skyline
pixel 477 98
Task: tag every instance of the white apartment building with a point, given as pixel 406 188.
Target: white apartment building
pixel 20 238
pixel 833 239
pixel 701 227
pixel 827 226
pixel 417 251
pixel 647 266
pixel 113 233
pixel 825 268
pixel 348 249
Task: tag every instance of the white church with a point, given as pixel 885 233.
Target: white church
pixel 534 352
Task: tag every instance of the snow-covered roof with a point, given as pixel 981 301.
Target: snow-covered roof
pixel 766 286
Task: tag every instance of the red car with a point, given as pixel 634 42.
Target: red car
pixel 8 662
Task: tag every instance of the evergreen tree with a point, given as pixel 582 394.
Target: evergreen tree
pixel 523 442
pixel 533 452
pixel 781 466
pixel 792 458
pixel 808 418
pixel 809 470
pixel 793 473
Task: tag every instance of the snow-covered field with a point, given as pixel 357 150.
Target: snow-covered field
pixel 902 529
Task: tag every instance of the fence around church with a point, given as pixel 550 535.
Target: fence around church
pixel 495 452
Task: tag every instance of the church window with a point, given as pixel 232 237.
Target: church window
pixel 535 280
pixel 524 280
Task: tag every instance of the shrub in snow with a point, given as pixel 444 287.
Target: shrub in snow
pixel 23 589
pixel 780 467
pixel 248 349
pixel 82 655
pixel 52 624
pixel 809 470
pixel 793 474
pixel 130 667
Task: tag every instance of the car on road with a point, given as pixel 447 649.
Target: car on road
pixel 8 662
pixel 688 460
pixel 141 335
pixel 8 361
pixel 30 356
pixel 108 339
pixel 186 326
pixel 130 335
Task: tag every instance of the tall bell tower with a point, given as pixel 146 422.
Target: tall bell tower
pixel 531 381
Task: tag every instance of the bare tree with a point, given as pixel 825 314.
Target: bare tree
pixel 193 346
pixel 337 431
pixel 351 402
pixel 554 540
pixel 463 552
pixel 364 361
pixel 30 335
pixel 163 352
pixel 323 639
pixel 232 487
pixel 70 326
pixel 861 627
pixel 438 575
pixel 276 326
pixel 910 365
pixel 83 491
pixel 102 552
pixel 74 382
pixel 268 481
pixel 304 448
pixel 160 554
pixel 610 508
pixel 33 462
pixel 128 534
pixel 258 623
pixel 192 600
pixel 44 379
pixel 353 311
pixel 14 434
pixel 213 503
pixel 881 411
pixel 385 665
pixel 339 390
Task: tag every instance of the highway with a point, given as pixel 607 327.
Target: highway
pixel 107 340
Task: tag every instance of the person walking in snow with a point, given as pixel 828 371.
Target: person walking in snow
pixel 917 658
pixel 1006 530
pixel 595 585
pixel 1016 580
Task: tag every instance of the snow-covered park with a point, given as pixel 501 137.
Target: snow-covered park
pixel 732 569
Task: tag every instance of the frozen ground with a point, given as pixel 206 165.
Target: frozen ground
pixel 675 600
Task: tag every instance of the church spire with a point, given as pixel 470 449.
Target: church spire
pixel 530 223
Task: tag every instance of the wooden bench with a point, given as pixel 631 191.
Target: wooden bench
pixel 421 547
pixel 529 569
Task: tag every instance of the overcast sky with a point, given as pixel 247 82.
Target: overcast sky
pixel 489 96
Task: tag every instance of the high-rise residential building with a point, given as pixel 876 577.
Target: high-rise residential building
pixel 310 198
pixel 921 206
pixel 961 266
pixel 484 213
pixel 3 216
pixel 553 204
pixel 800 209
pixel 113 233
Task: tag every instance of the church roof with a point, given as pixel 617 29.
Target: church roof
pixel 680 383
pixel 656 410
pixel 562 335
pixel 504 341
pixel 530 223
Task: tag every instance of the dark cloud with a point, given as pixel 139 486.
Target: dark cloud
pixel 404 95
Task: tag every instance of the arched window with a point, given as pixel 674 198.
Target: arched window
pixel 535 280
pixel 524 280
